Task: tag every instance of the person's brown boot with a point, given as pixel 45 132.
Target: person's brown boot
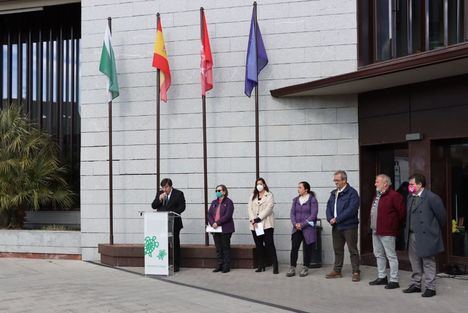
pixel 333 274
pixel 356 277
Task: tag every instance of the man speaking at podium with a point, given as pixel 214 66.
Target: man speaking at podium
pixel 169 199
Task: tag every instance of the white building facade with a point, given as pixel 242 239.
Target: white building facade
pixel 300 138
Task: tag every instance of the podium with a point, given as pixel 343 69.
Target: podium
pixel 159 243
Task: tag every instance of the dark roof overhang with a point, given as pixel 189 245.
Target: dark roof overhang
pixel 425 66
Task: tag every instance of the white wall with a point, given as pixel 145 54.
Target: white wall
pixel 301 139
pixel 40 241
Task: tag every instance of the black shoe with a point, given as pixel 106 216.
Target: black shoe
pixel 428 293
pixel 216 270
pixel 392 285
pixel 260 269
pixel 379 281
pixel 226 270
pixel 412 289
pixel 275 267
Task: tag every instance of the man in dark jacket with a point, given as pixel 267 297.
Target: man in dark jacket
pixel 169 199
pixel 387 217
pixel 342 214
pixel 424 240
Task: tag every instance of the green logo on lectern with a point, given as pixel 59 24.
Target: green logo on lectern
pixel 162 254
pixel 150 245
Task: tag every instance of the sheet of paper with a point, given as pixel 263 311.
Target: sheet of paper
pixel 210 229
pixel 259 229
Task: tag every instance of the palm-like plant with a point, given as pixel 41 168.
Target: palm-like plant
pixel 30 171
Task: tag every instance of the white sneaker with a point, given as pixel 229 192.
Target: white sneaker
pixel 291 272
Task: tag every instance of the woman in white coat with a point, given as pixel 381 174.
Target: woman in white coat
pixel 260 209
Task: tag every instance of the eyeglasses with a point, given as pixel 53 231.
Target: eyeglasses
pixel 219 190
pixel 337 180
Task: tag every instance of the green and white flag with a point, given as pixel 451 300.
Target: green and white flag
pixel 107 65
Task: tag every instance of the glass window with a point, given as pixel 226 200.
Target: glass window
pixel 394 162
pixel 417 25
pixel 456 9
pixel 24 68
pixel 44 66
pixel 40 65
pixel 401 170
pixel 459 210
pixel 436 24
pixel 4 73
pixel 383 24
pixel 34 71
pixel 401 34
pixel 395 28
pixel 14 70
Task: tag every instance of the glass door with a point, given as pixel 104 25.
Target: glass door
pixel 391 160
pixel 458 210
pixel 449 179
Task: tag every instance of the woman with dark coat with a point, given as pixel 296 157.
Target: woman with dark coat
pixel 303 218
pixel 220 215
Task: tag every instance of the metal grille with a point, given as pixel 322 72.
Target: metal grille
pixel 39 58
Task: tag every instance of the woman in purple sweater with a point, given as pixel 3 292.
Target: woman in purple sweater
pixel 220 215
pixel 303 218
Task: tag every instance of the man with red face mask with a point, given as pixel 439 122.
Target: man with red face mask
pixel 423 234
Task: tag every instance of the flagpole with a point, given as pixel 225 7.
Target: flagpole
pixel 158 120
pixel 257 131
pixel 205 155
pixel 111 202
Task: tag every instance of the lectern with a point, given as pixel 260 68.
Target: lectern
pixel 159 243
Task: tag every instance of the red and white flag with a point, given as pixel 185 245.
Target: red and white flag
pixel 206 64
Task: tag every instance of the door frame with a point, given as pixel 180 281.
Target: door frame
pixel 369 168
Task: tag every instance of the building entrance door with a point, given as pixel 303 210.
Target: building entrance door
pixel 449 168
pixel 392 160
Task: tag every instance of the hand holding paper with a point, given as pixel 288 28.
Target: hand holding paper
pixel 259 229
pixel 211 229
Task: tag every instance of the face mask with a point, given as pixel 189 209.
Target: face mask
pixel 411 189
pixel 219 194
pixel 260 188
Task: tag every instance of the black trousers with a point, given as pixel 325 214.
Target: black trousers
pixel 176 247
pixel 223 249
pixel 296 239
pixel 265 247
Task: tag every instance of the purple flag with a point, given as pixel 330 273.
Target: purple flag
pixel 256 55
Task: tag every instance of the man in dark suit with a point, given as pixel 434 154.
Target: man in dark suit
pixel 169 199
pixel 423 234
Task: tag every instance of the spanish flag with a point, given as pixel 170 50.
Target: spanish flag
pixel 161 62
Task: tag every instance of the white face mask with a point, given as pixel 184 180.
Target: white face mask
pixel 260 188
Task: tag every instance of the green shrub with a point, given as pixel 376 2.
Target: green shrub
pixel 30 172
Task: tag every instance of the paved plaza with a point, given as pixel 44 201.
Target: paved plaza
pixel 75 286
